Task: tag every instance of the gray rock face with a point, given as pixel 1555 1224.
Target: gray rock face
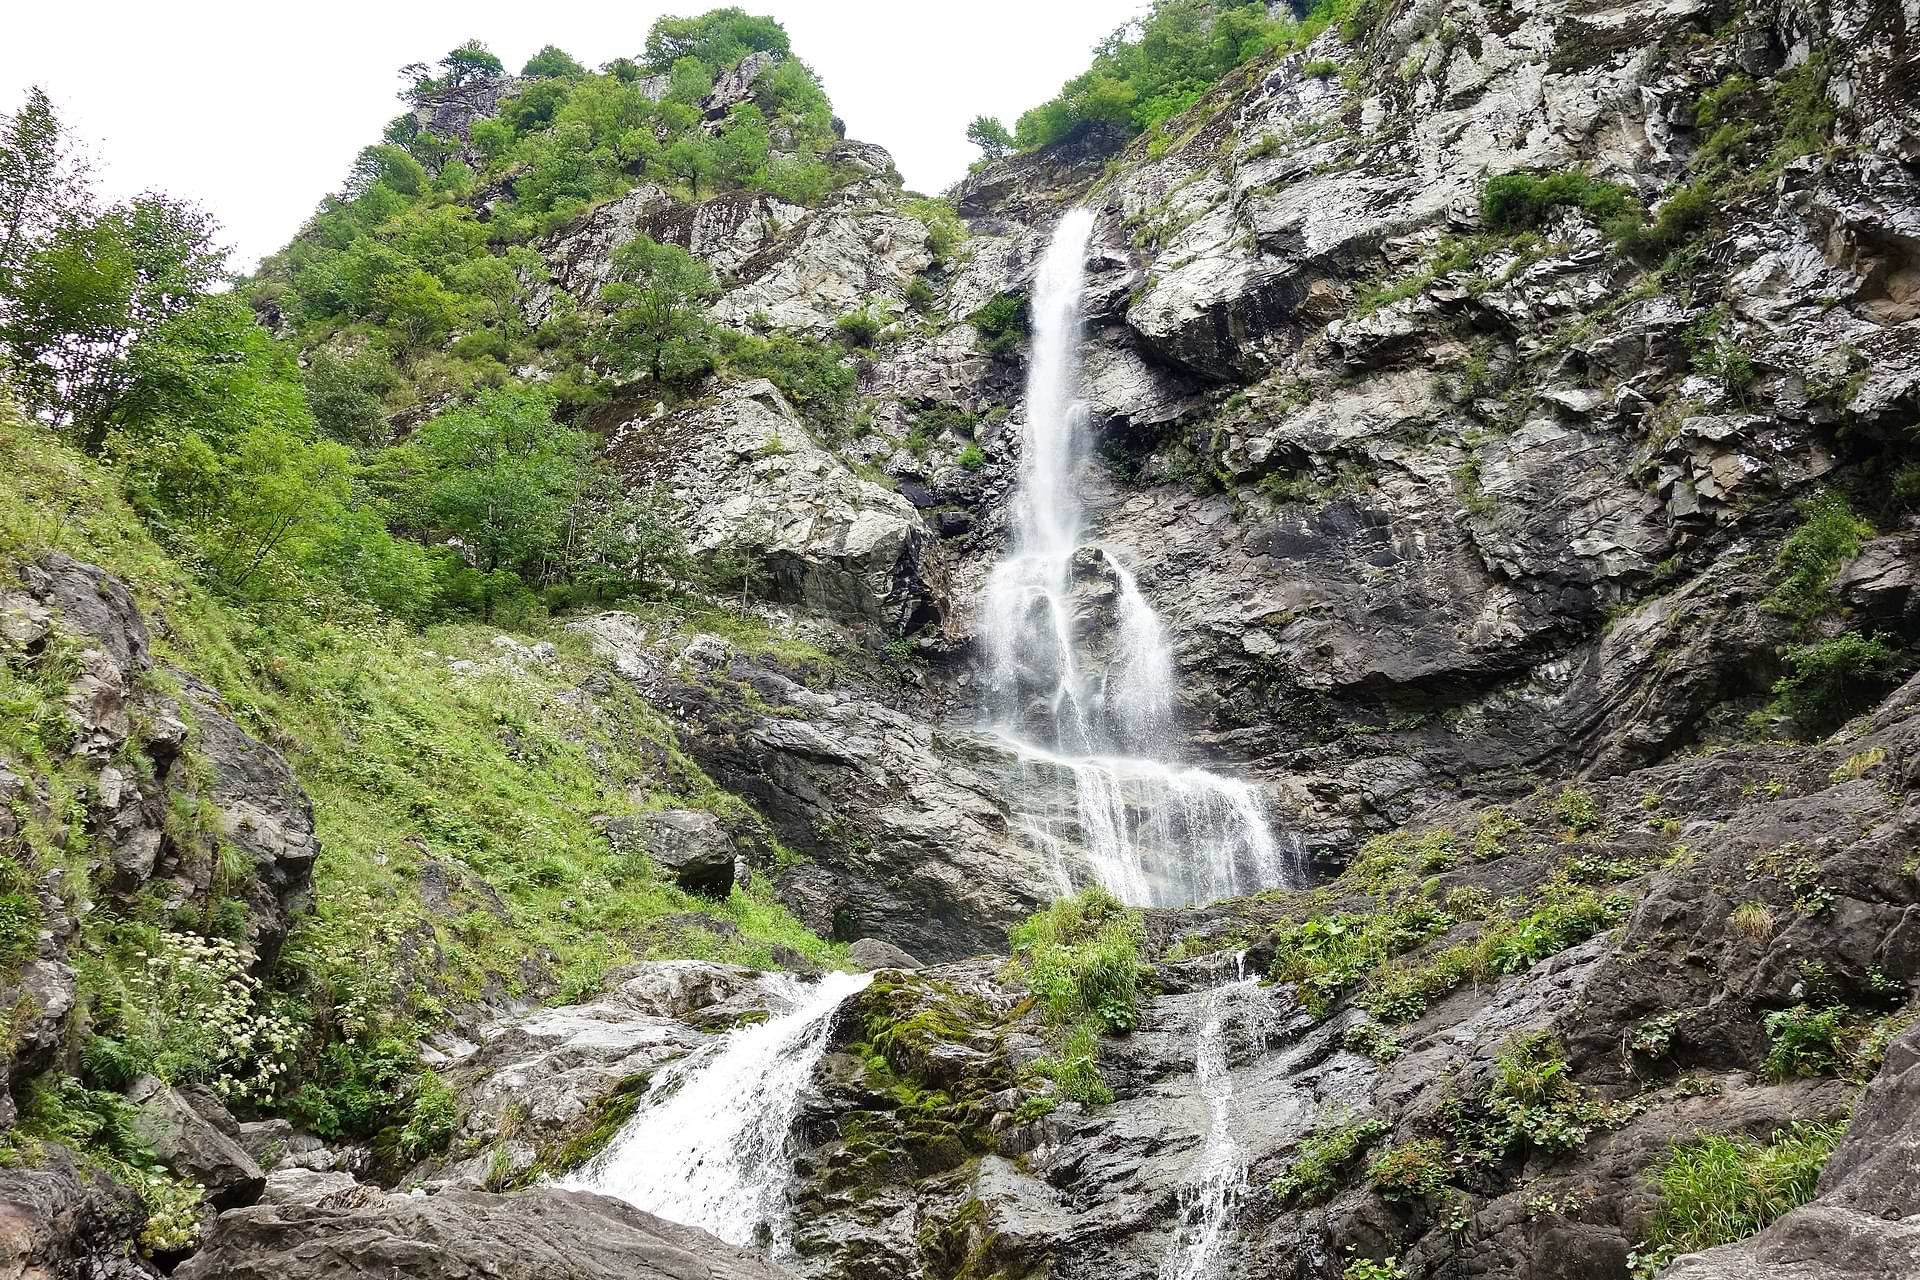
pixel 905 838
pixel 748 476
pixel 193 1135
pixel 466 1235
pixel 59 1221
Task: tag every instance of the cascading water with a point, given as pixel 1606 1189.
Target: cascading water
pixel 1081 672
pixel 709 1145
pixel 1212 1190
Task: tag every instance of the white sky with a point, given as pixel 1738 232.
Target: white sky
pixel 256 109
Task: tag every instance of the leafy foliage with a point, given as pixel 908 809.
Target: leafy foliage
pixel 1830 681
pixel 1323 1157
pixel 1828 536
pixel 1080 958
pixel 1524 201
pixel 1715 1190
pixel 1157 66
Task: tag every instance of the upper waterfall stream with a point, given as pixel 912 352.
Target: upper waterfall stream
pixel 1080 670
pixel 709 1145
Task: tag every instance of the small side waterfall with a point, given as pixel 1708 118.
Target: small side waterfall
pixel 709 1145
pixel 1211 1194
pixel 1081 672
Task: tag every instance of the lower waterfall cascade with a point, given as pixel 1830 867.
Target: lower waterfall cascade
pixel 1097 741
pixel 1214 1186
pixel 709 1147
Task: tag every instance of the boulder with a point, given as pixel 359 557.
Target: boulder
pixel 542 1234
pixel 871 954
pixel 193 1135
pixel 309 1186
pixel 689 845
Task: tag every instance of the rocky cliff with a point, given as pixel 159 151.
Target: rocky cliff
pixel 1509 409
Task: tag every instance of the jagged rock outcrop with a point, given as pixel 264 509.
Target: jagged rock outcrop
pixel 144 749
pixel 190 1132
pixel 60 1220
pixel 750 478
pixel 464 1235
pixel 902 839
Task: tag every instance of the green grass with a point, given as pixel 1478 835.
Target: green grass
pixel 1080 959
pixel 1715 1190
pixel 462 856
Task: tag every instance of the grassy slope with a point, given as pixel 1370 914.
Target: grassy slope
pixel 461 857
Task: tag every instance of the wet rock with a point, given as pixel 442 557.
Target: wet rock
pixel 463 1235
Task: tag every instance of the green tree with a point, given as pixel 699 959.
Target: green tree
pixel 83 299
pixel 344 396
pixel 43 185
pixel 500 476
pixel 691 158
pixel 469 62
pixel 719 38
pixel 552 61
pixel 990 136
pixel 690 81
pixel 626 539
pixel 743 145
pixel 656 321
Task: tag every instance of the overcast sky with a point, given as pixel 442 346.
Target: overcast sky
pixel 256 109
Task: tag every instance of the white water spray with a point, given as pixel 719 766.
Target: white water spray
pixel 1081 672
pixel 709 1146
pixel 1211 1194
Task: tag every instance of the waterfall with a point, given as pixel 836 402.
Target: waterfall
pixel 1081 672
pixel 1211 1193
pixel 709 1145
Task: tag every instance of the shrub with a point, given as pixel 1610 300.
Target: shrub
pixel 1715 1190
pixel 1080 958
pixel 1831 681
pixel 1410 1171
pixel 1804 1042
pixel 1323 1156
pixel 1680 216
pixel 971 457
pixel 814 376
pixel 1002 323
pixel 1577 809
pixel 1828 536
pixel 920 294
pixel 1524 201
pixel 859 328
pixel 431 1114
